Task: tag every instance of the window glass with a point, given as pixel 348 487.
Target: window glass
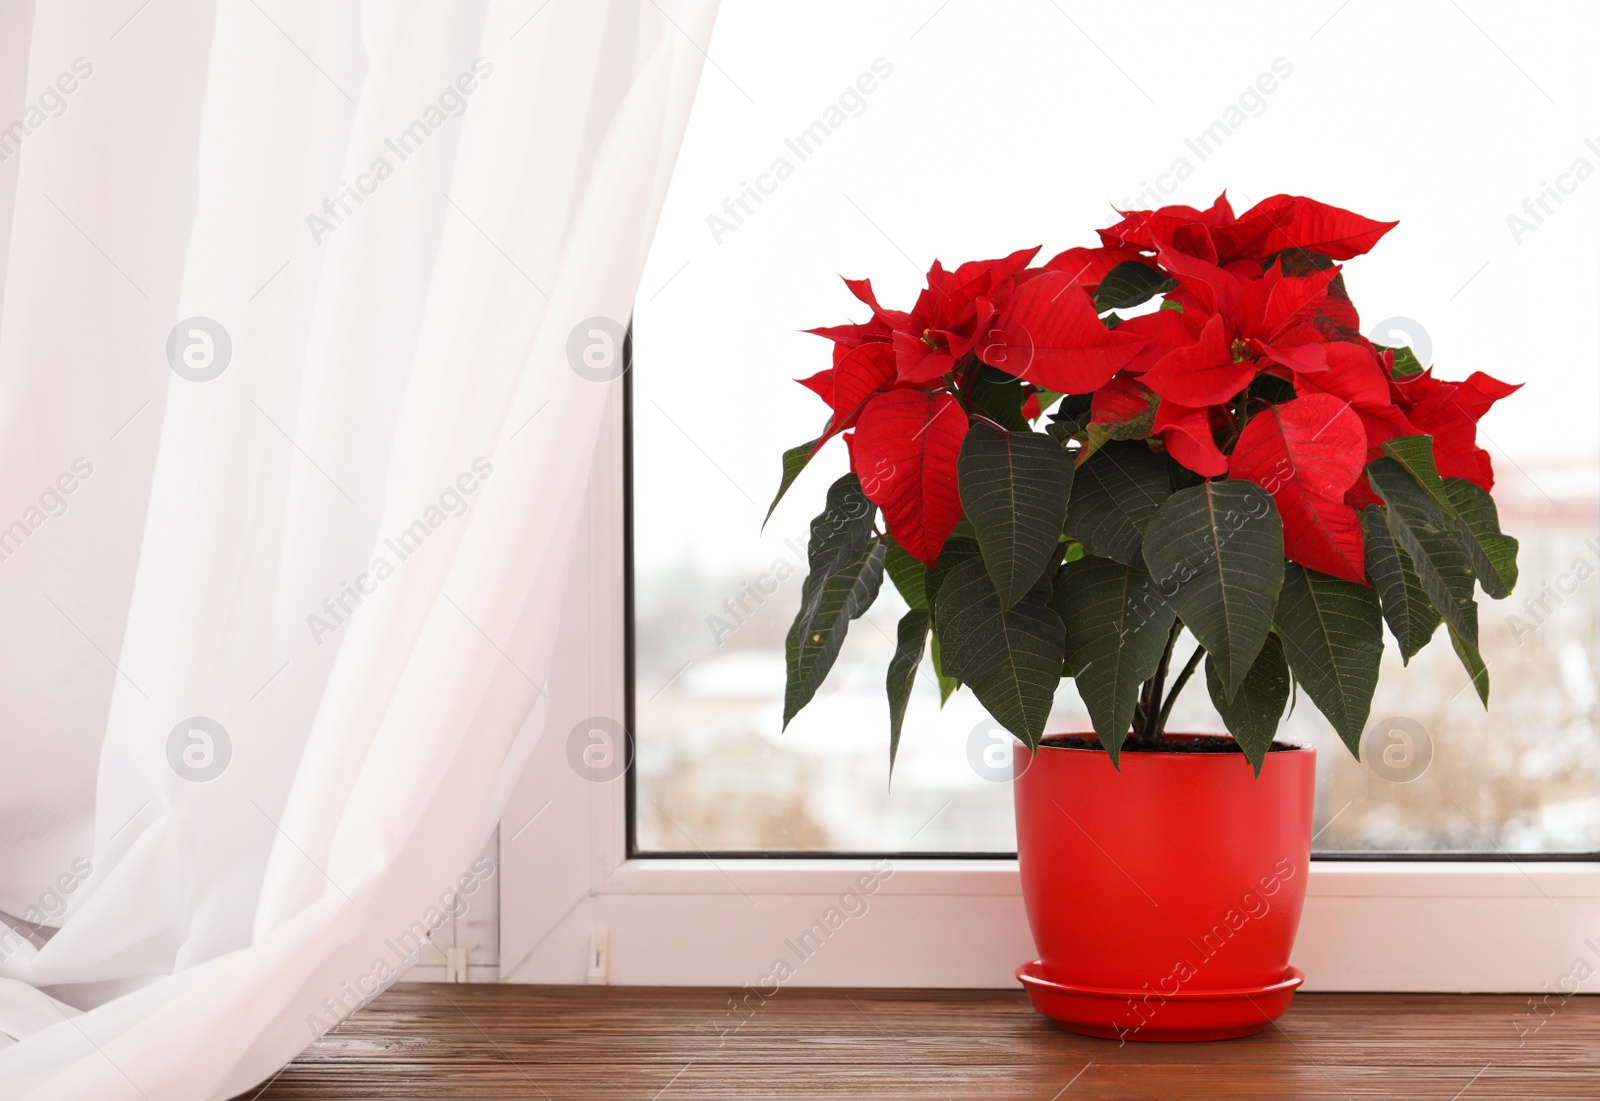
pixel 837 139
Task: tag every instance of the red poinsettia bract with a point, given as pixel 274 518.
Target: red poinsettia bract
pixel 1250 366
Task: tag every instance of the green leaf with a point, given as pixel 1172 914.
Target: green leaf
pixel 1074 407
pixel 947 685
pixel 1117 627
pixel 957 549
pixel 913 637
pixel 1129 284
pixel 1332 635
pixel 999 397
pixel 1215 551
pixel 1065 429
pixel 1014 488
pixel 1493 553
pixel 1415 453
pixel 794 461
pixel 910 577
pixel 1406 363
pixel 1071 418
pixel 1430 538
pixel 1472 661
pixel 1010 658
pixel 1411 616
pixel 1255 711
pixel 846 561
pixel 843 529
pixel 1172 304
pixel 1047 398
pixel 1114 495
pixel 1272 389
pixel 827 607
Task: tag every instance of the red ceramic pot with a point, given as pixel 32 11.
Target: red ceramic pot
pixel 1163 898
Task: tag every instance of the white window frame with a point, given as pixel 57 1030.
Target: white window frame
pixel 576 909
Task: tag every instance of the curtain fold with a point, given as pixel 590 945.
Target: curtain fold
pixel 282 651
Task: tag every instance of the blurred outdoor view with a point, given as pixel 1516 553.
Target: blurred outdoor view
pixel 1044 134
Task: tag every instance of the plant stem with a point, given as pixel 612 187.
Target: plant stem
pixel 1242 419
pixel 966 368
pixel 1177 686
pixel 1148 728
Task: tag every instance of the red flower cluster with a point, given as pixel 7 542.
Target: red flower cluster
pixel 1243 297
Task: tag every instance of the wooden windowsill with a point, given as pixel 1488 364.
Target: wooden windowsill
pixel 649 1043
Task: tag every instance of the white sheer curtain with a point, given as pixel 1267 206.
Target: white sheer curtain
pixel 276 633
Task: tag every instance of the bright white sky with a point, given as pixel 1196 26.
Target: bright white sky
pixel 1005 125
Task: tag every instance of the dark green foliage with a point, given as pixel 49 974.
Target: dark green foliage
pixel 1411 616
pixel 1010 658
pixel 913 638
pixel 1091 569
pixel 1114 495
pixel 1252 716
pixel 1332 634
pixel 1014 489
pixel 846 561
pixel 1117 626
pixel 1216 553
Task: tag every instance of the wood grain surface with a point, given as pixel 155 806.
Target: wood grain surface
pixel 660 1044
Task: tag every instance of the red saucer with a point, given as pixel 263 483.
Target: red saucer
pixel 1186 1014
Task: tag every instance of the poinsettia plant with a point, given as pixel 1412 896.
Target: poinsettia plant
pixel 1180 428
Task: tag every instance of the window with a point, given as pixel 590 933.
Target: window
pixel 835 169
pixel 985 129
